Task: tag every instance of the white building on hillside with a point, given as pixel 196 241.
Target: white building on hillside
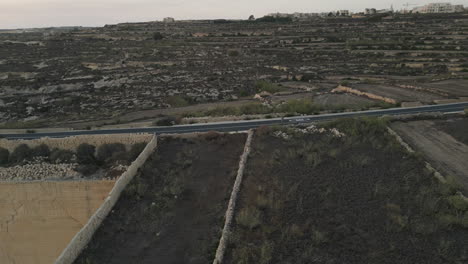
pixel 439 8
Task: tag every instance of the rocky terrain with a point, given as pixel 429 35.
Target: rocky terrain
pixel 51 76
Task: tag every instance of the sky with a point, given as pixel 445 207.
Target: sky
pixel 47 13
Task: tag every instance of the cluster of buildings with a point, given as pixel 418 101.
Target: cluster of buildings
pixel 427 9
pixel 435 8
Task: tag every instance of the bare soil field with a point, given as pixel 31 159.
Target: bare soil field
pixel 444 152
pixel 318 196
pixel 397 93
pixel 457 128
pixel 38 220
pixel 452 87
pixel 173 210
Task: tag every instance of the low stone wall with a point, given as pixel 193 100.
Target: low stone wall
pixel 232 202
pixel 81 239
pixel 71 143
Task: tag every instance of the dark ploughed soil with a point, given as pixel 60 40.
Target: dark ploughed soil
pixel 457 128
pixel 315 198
pixel 173 211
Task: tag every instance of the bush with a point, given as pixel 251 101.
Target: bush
pixel 168 121
pixel 135 150
pixel 249 218
pixel 106 152
pixel 178 101
pixel 21 153
pixel 158 36
pixel 85 154
pixel 87 169
pixel 233 53
pixel 41 151
pixel 300 107
pixel 262 86
pixel 61 156
pixel 4 156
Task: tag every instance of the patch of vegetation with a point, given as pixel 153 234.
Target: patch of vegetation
pixel 292 107
pixel 24 124
pixel 271 19
pixel 233 53
pixel 264 86
pixel 4 156
pixel 178 101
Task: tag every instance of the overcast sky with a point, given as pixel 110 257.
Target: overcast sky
pixel 45 13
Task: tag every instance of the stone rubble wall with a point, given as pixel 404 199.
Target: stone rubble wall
pixel 232 202
pixel 71 143
pixel 81 239
pixel 39 171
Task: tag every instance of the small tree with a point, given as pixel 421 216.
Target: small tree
pixel 158 36
pixel 107 151
pixel 251 18
pixel 61 156
pixel 4 156
pixel 41 151
pixel 85 154
pixel 21 153
pixel 135 150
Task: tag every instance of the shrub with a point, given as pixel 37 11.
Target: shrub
pixel 61 156
pixel 158 36
pixel 233 53
pixel 135 150
pixel 21 153
pixel 211 135
pixel 107 151
pixel 167 121
pixel 4 156
pixel 177 101
pixel 41 151
pixel 300 107
pixel 249 218
pixel 87 169
pixel 85 153
pixel 264 86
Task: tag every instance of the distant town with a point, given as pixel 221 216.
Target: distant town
pixel 432 8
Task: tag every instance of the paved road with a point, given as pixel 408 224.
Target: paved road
pixel 245 125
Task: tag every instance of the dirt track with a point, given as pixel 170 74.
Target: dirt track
pixel 443 151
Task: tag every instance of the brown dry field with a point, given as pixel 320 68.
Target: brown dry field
pixel 444 152
pixel 399 94
pixel 342 99
pixel 454 87
pixel 38 219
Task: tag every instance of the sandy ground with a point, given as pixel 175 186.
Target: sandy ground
pixel 38 219
pixel 444 152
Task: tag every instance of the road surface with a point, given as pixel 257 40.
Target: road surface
pixel 245 125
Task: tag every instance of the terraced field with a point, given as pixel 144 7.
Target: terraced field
pixel 93 74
